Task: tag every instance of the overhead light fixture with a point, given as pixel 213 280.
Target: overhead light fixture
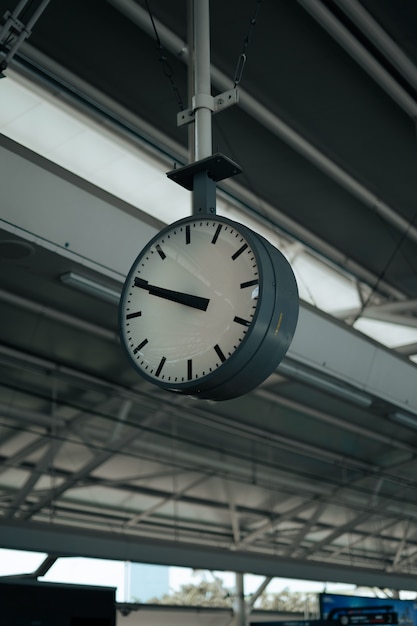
pixel 405 419
pixel 91 287
pixel 325 384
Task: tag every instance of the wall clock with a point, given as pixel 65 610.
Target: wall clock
pixel 208 308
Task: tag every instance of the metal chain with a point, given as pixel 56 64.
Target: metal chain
pixel 242 58
pixel 166 68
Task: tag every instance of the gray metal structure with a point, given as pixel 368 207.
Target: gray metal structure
pixel 312 475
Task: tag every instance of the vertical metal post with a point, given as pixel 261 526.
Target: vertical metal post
pixel 204 188
pixel 240 607
pixel 190 84
pixel 190 75
pixel 202 81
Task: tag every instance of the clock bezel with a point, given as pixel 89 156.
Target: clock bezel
pixel 235 375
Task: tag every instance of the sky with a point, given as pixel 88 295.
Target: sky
pixel 78 570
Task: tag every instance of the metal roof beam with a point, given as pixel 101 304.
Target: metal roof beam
pixel 278 126
pixel 69 541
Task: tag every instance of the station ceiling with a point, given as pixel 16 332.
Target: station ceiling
pixel 312 475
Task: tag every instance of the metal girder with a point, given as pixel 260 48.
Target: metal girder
pixel 44 462
pixel 69 541
pixel 292 548
pixel 196 413
pixel 136 519
pixel 234 518
pixel 264 528
pixel 275 124
pixel 257 594
pixel 385 315
pixel 405 562
pixel 372 507
pixel 61 429
pixel 345 528
pixel 107 215
pixel 363 57
pixel 328 496
pixel 271 523
pixel 380 38
pixel 330 347
pixel 96 461
pixel 401 545
pixel 360 430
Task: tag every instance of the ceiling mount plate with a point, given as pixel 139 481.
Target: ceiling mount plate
pixel 217 166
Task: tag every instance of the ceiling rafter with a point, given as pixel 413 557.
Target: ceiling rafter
pixel 200 502
pixel 234 517
pixel 401 545
pixel 26 489
pixel 138 518
pixel 305 530
pixel 95 462
pixel 347 527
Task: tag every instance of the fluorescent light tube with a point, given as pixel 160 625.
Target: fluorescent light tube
pixel 324 384
pixel 403 418
pixel 91 287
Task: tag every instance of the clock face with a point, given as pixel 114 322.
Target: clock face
pixel 189 300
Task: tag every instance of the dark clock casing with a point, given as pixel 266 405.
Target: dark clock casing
pixel 267 336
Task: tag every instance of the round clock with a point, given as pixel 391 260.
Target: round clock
pixel 208 309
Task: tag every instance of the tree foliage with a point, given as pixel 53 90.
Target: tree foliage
pixel 289 602
pixel 214 594
pixel 204 593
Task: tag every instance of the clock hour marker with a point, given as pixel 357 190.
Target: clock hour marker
pixel 189 369
pixel 160 366
pixel 239 252
pixel 219 353
pixel 140 346
pixel 240 320
pixel 130 316
pixel 217 233
pixel 249 283
pixel 187 234
pixel 160 251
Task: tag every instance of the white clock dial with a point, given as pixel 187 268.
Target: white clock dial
pixel 189 300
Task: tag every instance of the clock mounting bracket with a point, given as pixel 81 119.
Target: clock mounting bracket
pixel 201 177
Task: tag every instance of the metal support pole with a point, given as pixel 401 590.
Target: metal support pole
pixel 190 75
pixel 201 175
pixel 202 97
pixel 204 188
pixel 240 608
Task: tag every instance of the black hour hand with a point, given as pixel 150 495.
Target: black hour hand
pixel 175 296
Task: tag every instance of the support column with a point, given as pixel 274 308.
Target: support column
pixel 205 169
pixel 240 604
pixel 202 98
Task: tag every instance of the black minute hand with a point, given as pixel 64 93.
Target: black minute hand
pixel 176 296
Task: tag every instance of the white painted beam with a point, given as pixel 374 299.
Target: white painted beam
pixel 54 208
